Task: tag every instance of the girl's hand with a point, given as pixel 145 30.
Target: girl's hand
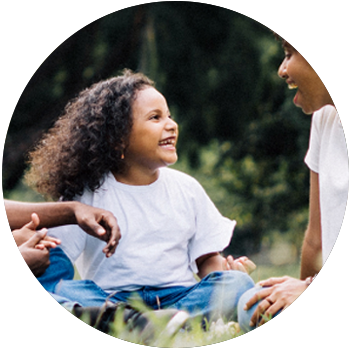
pixel 22 235
pixel 278 295
pixel 243 264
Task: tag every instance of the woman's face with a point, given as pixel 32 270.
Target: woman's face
pixel 312 94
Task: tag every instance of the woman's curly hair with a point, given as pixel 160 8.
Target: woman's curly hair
pixel 88 140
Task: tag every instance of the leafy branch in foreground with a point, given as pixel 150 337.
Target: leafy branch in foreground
pixel 55 326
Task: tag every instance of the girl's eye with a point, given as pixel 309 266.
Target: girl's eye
pixel 154 117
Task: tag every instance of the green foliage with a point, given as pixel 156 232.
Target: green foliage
pixel 66 331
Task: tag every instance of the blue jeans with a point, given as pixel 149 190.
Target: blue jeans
pixel 215 296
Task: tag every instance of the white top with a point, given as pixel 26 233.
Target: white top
pixel 165 227
pixel 328 156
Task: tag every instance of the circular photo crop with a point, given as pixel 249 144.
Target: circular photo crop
pixel 175 174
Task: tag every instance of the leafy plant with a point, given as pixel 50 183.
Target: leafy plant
pixel 68 332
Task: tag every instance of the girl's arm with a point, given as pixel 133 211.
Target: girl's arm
pixel 215 262
pixel 96 222
pixel 208 263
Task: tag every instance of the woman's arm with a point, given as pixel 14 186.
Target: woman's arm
pixel 311 254
pixel 96 222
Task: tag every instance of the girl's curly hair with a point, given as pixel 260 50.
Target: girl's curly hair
pixel 88 140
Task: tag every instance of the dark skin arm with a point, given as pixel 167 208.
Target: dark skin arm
pixel 311 253
pixel 94 221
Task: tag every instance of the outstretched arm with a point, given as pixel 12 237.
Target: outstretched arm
pixel 311 253
pixel 96 222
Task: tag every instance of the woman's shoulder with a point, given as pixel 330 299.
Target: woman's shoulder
pixel 325 116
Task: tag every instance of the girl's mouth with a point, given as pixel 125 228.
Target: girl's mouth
pixel 168 142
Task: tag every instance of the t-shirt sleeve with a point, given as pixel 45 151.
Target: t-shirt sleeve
pixel 326 132
pixel 213 231
pixel 328 157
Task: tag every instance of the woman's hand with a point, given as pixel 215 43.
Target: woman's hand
pixel 100 224
pixel 277 294
pixel 243 264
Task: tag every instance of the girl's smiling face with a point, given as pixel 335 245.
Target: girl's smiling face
pixel 153 137
pixel 312 94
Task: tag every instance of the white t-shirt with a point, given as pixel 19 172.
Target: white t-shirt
pixel 328 156
pixel 165 227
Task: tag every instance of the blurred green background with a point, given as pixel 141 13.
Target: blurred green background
pixel 240 134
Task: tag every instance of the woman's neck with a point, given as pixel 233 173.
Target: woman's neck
pixel 134 177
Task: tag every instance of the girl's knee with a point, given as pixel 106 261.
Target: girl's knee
pixel 244 316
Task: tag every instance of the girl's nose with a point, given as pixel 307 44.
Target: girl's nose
pixel 282 70
pixel 171 125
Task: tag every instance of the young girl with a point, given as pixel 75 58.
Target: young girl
pixel 110 150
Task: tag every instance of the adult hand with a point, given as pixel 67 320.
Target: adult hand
pixel 99 223
pixel 243 264
pixel 27 231
pixel 277 296
pixel 35 254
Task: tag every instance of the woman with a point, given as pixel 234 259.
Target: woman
pixel 327 160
